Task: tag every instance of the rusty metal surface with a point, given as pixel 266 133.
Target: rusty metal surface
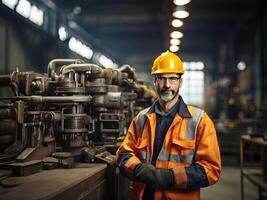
pixel 50 163
pixel 86 181
pixel 65 159
pixel 7 126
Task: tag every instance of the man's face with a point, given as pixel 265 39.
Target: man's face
pixel 167 86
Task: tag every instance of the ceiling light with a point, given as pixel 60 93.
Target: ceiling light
pixel 177 23
pixel 29 11
pixel 80 48
pixel 241 66
pixel 10 3
pixel 77 10
pixel 174 48
pixel 176 34
pixel 106 62
pixel 62 33
pixel 24 8
pixel 181 2
pixel 37 16
pixel 180 12
pixel 174 41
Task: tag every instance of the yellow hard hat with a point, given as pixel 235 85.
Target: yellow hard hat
pixel 167 62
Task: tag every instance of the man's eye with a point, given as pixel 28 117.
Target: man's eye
pixel 173 78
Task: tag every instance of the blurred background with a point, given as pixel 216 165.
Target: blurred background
pixel 222 44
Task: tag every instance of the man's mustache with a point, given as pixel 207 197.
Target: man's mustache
pixel 166 90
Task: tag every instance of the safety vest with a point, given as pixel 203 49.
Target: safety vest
pixel 178 149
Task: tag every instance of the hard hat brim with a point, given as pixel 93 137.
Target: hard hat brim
pixel 165 71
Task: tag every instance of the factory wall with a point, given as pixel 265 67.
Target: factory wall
pixel 24 47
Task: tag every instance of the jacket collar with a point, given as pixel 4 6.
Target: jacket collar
pixel 182 109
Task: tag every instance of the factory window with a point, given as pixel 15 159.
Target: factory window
pixel 192 89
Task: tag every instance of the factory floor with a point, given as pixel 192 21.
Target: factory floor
pixel 228 187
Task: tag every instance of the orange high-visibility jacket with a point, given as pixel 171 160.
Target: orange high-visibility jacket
pixel 188 141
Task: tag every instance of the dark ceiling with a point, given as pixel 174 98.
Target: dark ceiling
pixel 136 31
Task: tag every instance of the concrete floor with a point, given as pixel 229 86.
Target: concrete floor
pixel 228 187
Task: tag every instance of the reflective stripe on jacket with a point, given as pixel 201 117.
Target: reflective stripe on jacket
pixel 188 141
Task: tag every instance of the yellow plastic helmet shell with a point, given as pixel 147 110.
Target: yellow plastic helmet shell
pixel 167 62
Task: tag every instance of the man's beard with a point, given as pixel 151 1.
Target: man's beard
pixel 167 94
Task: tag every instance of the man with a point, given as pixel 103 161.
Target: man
pixel 171 149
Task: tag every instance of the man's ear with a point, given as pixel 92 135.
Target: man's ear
pixel 180 82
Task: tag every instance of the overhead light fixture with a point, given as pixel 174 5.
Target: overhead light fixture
pixel 62 33
pixel 174 41
pixel 77 10
pixel 180 12
pixel 174 48
pixel 24 8
pixel 107 62
pixel 10 3
pixel 80 48
pixel 37 16
pixel 27 10
pixel 177 23
pixel 181 2
pixel 176 34
pixel 241 66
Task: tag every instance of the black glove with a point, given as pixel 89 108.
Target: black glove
pixel 155 177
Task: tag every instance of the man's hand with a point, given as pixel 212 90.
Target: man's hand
pixel 155 177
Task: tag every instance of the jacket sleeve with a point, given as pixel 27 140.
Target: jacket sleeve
pixel 126 156
pixel 206 168
pixel 207 157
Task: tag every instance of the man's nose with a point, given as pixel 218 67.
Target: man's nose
pixel 166 83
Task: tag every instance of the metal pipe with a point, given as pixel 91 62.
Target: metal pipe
pixel 129 70
pixel 52 65
pixel 54 99
pixel 84 67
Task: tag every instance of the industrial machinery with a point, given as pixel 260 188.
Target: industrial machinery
pixel 77 112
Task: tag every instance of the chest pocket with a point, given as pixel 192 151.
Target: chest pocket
pixel 185 150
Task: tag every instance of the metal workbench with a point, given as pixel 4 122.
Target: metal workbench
pixel 254 172
pixel 85 181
